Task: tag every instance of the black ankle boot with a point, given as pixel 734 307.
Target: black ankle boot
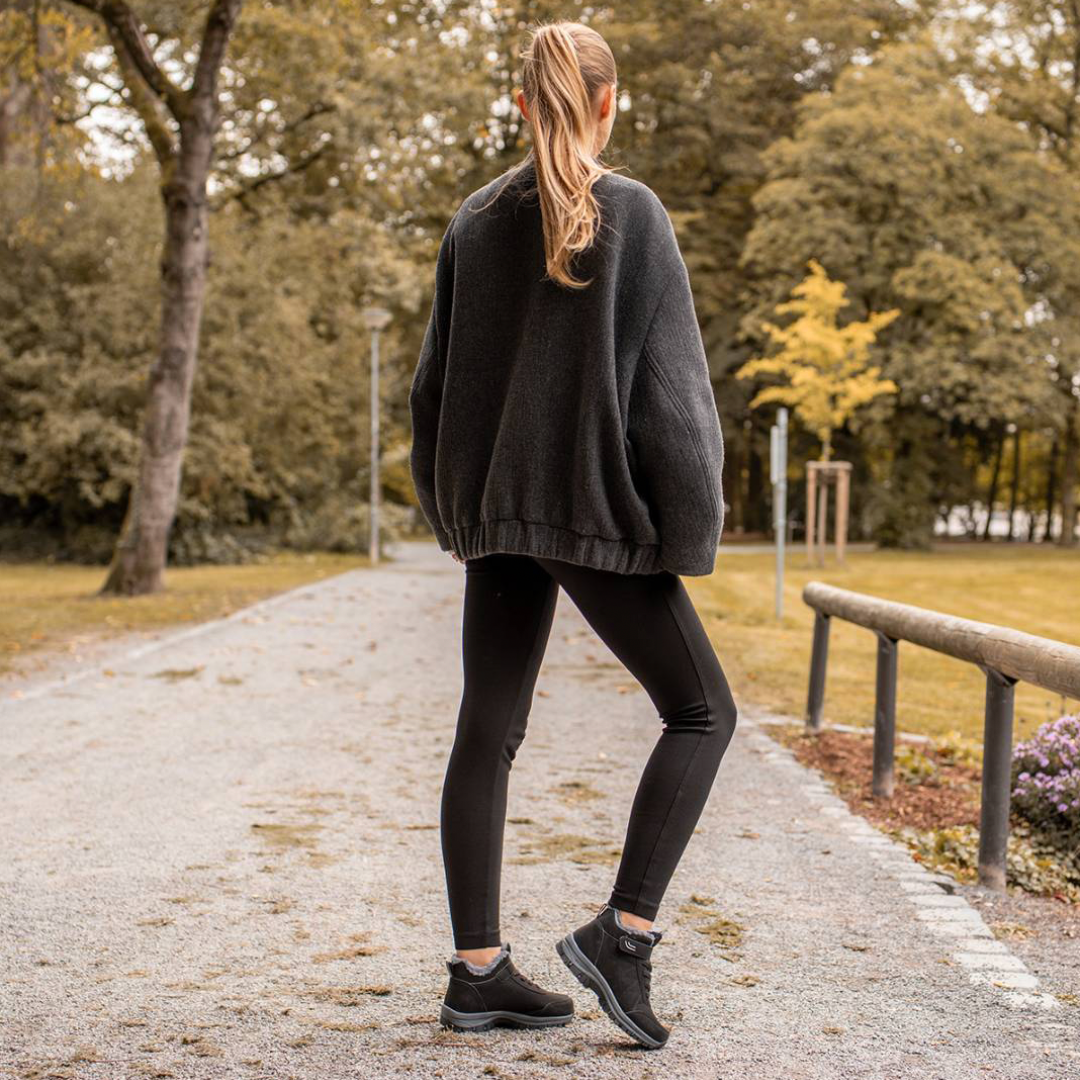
pixel 503 996
pixel 616 964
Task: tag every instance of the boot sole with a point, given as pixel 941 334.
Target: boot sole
pixel 485 1021
pixel 586 973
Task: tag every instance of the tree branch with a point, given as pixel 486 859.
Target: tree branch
pixel 74 118
pixel 153 112
pixel 1070 113
pixel 317 109
pixel 126 33
pixel 299 166
pixel 216 32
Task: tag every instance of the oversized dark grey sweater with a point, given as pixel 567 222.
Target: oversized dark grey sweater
pixel 576 425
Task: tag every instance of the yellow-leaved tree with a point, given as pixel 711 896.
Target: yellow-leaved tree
pixel 824 365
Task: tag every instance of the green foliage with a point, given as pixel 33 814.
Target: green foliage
pixel 900 507
pixel 42 52
pixel 331 189
pixel 959 211
pixel 279 432
pixel 78 318
pixel 826 365
pixel 958 219
pixel 775 135
pixel 709 88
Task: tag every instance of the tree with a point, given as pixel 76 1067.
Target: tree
pixel 826 365
pixel 180 124
pixel 916 200
pixel 40 47
pixel 334 174
pixel 706 89
pixel 1025 56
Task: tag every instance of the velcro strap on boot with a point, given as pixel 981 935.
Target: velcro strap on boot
pixel 635 947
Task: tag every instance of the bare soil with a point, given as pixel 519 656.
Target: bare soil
pixel 950 797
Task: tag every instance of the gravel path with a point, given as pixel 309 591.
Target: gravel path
pixel 221 859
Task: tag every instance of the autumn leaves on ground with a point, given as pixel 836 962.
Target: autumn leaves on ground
pixel 231 848
pixel 45 609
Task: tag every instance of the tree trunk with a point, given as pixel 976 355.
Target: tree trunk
pixel 756 479
pixel 1015 487
pixel 138 563
pixel 991 497
pixel 15 98
pixel 139 559
pixel 822 516
pixel 971 531
pixel 1051 495
pixel 25 89
pixel 1069 477
pixel 733 480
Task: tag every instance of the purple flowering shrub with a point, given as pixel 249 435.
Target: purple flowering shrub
pixel 1046 779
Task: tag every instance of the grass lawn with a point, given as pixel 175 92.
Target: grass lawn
pixel 1024 587
pixel 45 605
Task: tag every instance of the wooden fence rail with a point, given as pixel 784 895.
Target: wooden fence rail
pixel 1005 656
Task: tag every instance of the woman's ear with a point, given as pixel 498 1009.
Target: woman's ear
pixel 521 104
pixel 607 102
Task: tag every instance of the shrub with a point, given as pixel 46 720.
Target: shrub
pixel 1046 780
pixel 343 524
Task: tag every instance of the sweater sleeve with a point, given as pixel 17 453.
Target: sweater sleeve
pixel 677 449
pixel 425 393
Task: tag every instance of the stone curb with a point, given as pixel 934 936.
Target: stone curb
pixel 945 914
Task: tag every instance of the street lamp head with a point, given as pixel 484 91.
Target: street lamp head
pixel 376 318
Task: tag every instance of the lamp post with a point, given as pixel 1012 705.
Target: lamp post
pixel 375 319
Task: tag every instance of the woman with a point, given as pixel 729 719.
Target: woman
pixel 565 434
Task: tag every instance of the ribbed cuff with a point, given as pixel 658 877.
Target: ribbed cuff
pixel 622 556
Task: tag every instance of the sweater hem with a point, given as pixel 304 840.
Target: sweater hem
pixel 519 537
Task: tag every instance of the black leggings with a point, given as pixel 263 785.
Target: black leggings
pixel 649 622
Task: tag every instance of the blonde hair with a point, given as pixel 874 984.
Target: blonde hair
pixel 565 64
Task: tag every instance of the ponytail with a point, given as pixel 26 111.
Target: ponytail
pixel 566 63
